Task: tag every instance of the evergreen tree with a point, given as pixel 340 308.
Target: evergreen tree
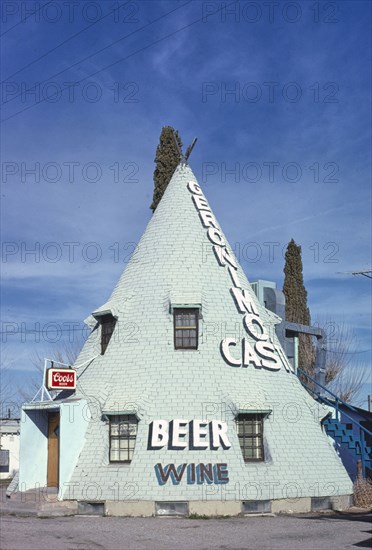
pixel 296 310
pixel 341 369
pixel 167 159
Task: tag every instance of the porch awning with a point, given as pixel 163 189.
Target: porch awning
pixel 49 405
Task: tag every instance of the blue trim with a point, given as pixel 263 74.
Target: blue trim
pixel 336 429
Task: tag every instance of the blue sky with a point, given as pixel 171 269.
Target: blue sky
pixel 279 97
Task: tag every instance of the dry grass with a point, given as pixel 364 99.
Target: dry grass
pixel 363 493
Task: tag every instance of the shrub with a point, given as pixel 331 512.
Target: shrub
pixel 363 493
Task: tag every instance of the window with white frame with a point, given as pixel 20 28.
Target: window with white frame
pixel 186 328
pixel 123 433
pixel 250 434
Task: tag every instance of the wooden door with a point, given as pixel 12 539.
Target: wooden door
pixel 53 449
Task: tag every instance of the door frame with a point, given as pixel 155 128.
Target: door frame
pixel 56 413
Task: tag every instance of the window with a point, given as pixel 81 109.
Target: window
pixel 250 435
pixel 4 461
pixel 186 328
pixel 123 433
pixel 107 323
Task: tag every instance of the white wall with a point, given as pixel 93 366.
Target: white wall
pixel 34 444
pixel 74 422
pixel 33 449
pixel 10 442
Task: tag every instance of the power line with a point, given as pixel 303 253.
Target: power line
pixel 366 273
pixel 123 58
pixel 89 57
pixel 61 44
pixel 23 20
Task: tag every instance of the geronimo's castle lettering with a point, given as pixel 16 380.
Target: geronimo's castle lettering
pixel 263 353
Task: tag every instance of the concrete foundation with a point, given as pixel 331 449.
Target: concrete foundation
pixel 286 506
pixel 341 502
pixel 224 508
pixel 27 504
pixel 141 508
pixel 215 508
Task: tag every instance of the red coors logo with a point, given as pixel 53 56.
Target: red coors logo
pixel 61 378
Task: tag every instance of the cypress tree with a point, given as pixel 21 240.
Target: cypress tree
pixel 167 159
pixel 296 310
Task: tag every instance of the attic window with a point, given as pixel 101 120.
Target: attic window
pixel 107 323
pixel 185 328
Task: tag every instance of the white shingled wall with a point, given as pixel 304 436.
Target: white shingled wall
pixel 142 371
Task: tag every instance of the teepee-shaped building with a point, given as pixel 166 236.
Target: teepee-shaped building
pixel 184 394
